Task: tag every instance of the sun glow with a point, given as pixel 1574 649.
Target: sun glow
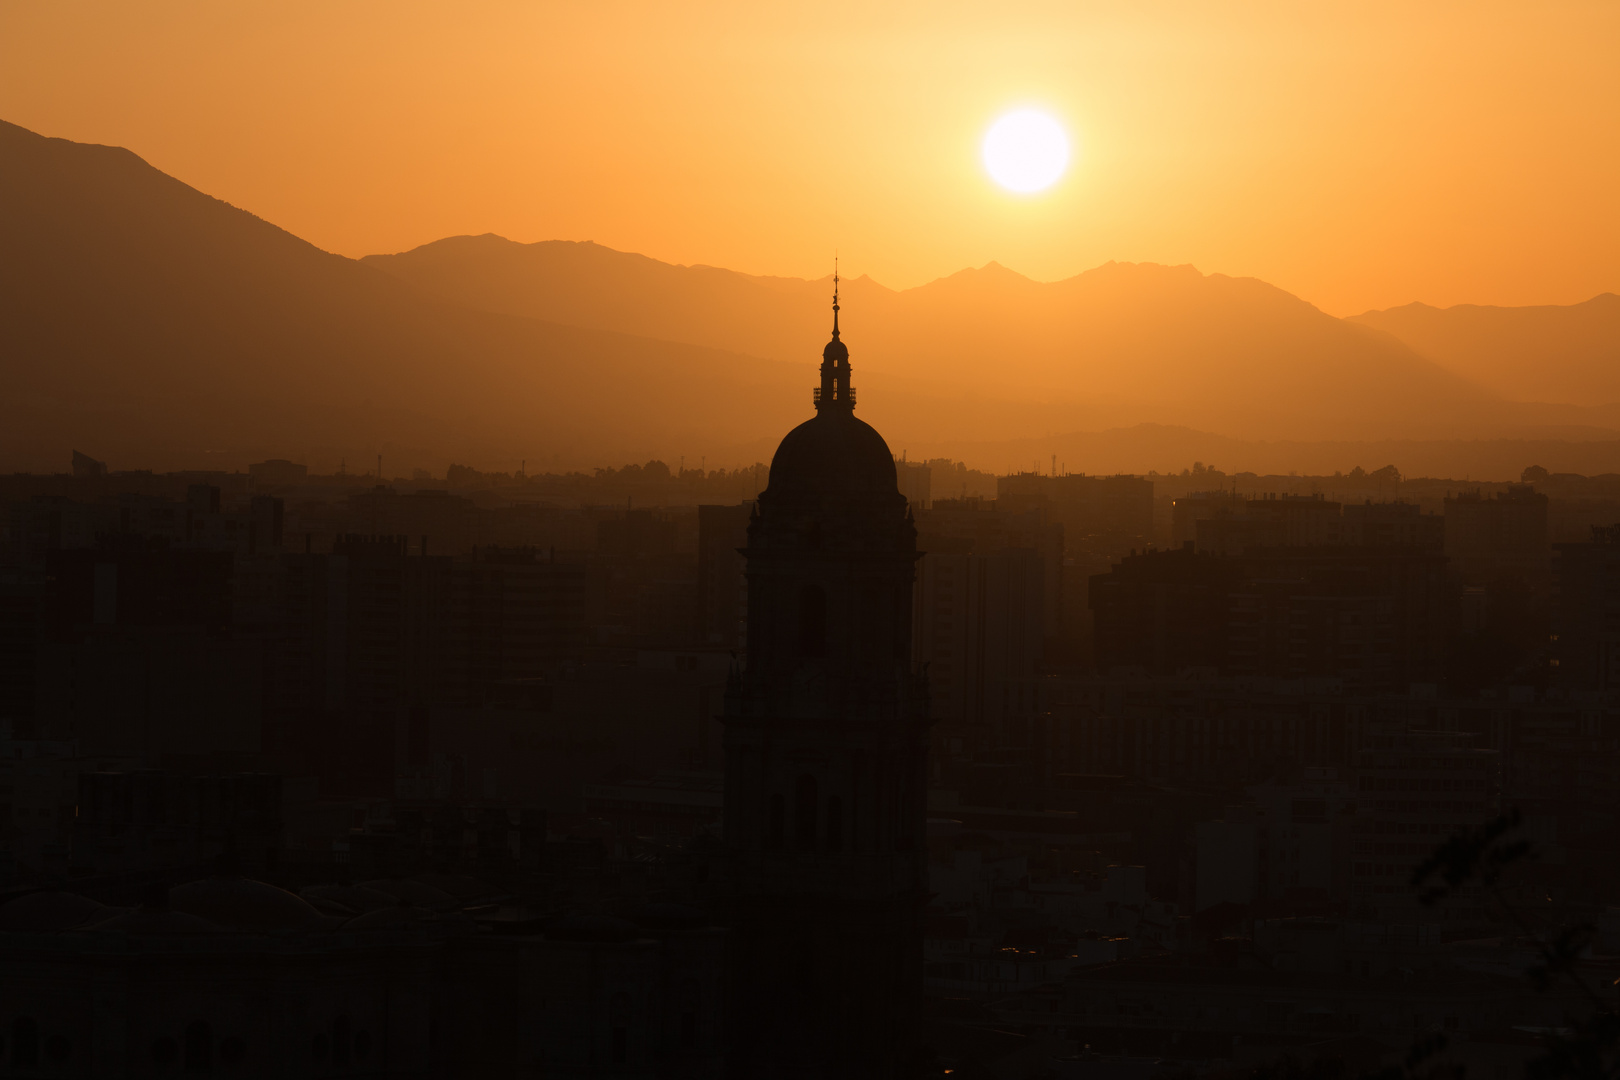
pixel 1026 151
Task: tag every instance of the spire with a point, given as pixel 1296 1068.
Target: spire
pixel 834 389
pixel 835 298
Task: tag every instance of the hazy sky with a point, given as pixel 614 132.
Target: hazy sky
pixel 1360 155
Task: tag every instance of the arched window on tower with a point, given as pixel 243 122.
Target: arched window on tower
pixel 835 823
pixel 902 623
pixel 199 1044
pixel 804 811
pixel 619 1016
pixel 876 829
pixel 25 1042
pixel 778 823
pixel 812 621
pixel 691 998
pixel 905 835
pixel 341 1044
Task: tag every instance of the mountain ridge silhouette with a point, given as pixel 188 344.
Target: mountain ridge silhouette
pixel 1568 353
pixel 1121 334
pixel 155 324
pixel 153 321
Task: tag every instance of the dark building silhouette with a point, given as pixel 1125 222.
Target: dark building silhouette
pixel 135 653
pixel 826 747
pixel 916 481
pixel 228 975
pixel 722 586
pixel 644 579
pixel 277 472
pixel 986 600
pixel 1411 788
pixel 1188 510
pixel 516 613
pixel 984 527
pixel 1487 538
pixel 1269 521
pixel 1106 514
pixel 978 622
pixel 1375 616
pixel 372 636
pixel 86 466
pixel 1371 616
pixel 140 820
pixel 1392 524
pixel 1162 612
pixel 1586 611
pixel 367 633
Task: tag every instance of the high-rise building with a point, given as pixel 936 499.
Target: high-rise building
pixel 1104 514
pixel 722 588
pixel 916 482
pixel 516 613
pixel 1269 521
pixel 1487 538
pixel 975 526
pixel 826 756
pixel 1414 790
pixel 364 642
pixel 1586 611
pixel 1373 616
pixel 978 629
pixel 1188 510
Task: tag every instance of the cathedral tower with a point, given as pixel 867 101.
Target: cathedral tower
pixel 826 745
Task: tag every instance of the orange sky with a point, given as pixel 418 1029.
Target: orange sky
pixel 1360 155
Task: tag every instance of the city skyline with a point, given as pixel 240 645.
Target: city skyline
pixel 450 626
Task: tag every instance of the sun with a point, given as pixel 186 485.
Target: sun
pixel 1026 151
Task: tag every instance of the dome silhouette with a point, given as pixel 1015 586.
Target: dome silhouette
pixel 243 904
pixel 831 456
pixel 44 911
pixel 148 920
pixel 389 918
pixel 346 899
pixel 407 891
pixel 600 928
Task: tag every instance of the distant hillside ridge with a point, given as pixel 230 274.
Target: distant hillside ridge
pixel 153 326
pixel 1562 354
pixel 150 323
pixel 1135 342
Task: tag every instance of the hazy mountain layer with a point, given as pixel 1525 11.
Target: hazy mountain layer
pixel 149 324
pixel 1559 354
pixel 146 323
pixel 1125 342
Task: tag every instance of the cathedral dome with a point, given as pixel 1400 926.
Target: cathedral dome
pixel 145 920
pixel 831 456
pixel 389 918
pixel 52 911
pixel 415 893
pixel 243 904
pixel 603 928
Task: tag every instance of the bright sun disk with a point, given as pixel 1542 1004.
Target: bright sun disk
pixel 1026 151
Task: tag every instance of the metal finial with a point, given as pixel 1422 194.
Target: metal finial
pixel 835 297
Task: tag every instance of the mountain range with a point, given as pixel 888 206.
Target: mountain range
pixel 1562 354
pixel 150 324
